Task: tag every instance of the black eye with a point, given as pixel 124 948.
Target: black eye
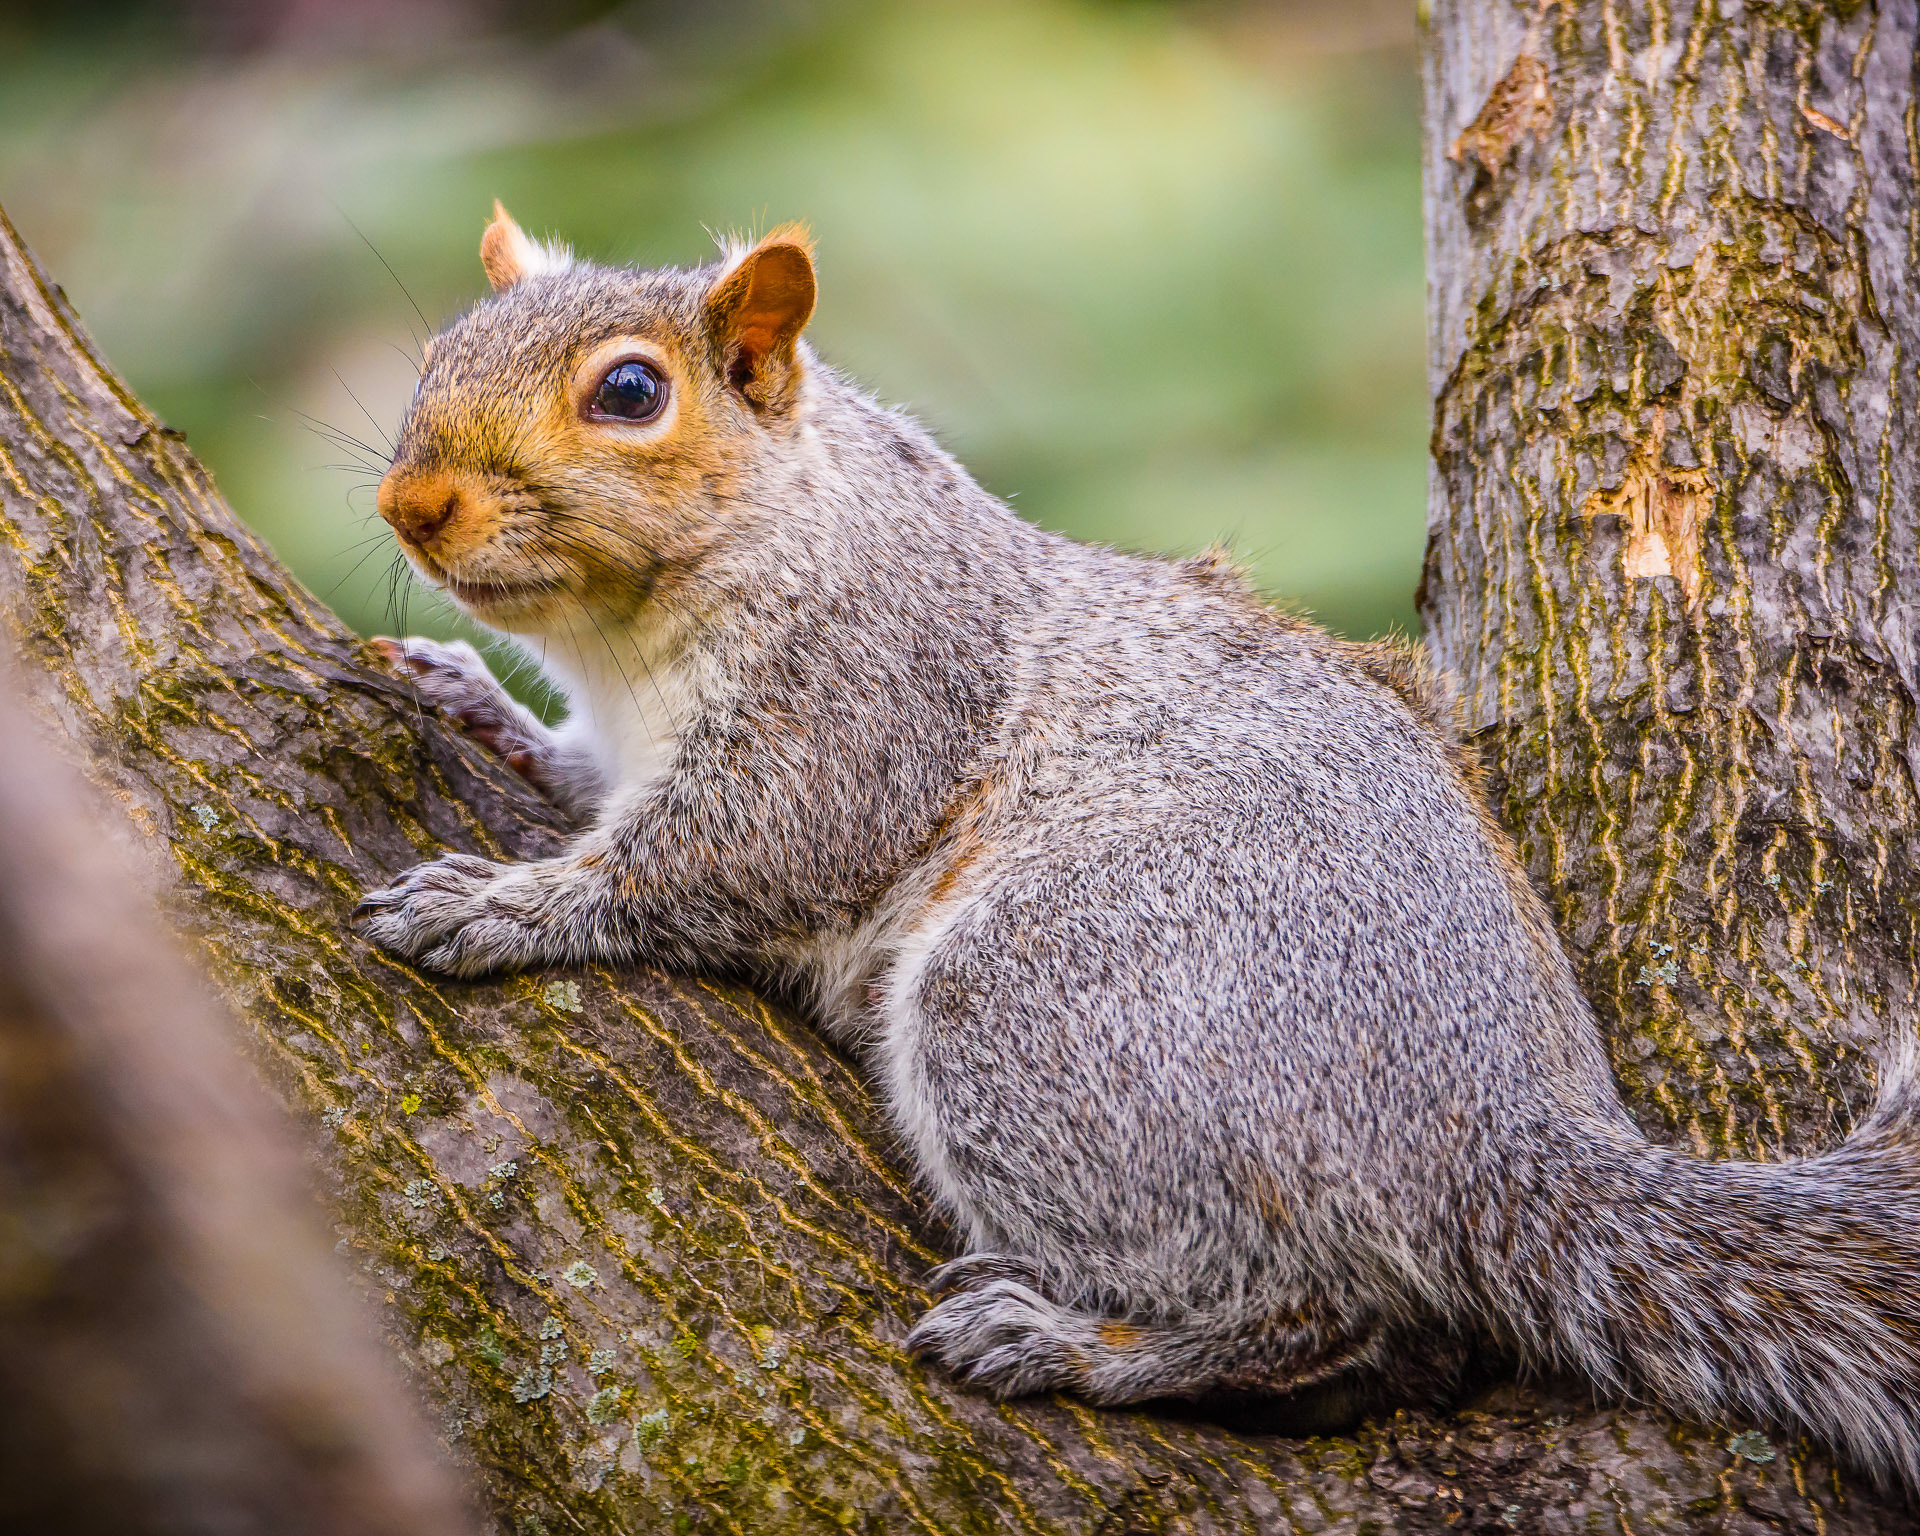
pixel 631 392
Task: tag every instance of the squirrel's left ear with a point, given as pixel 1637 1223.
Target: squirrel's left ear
pixel 757 311
pixel 510 254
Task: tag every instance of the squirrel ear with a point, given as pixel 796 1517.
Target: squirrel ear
pixel 757 311
pixel 509 254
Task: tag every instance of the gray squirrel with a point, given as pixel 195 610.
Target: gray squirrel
pixel 1206 995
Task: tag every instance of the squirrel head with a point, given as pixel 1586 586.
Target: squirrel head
pixel 574 439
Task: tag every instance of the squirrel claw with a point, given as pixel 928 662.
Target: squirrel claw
pixel 974 1270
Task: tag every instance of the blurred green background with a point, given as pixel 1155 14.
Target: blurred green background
pixel 1152 270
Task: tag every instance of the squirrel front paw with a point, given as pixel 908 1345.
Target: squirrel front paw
pixel 453 677
pixel 458 914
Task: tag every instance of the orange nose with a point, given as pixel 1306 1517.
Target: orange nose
pixel 418 505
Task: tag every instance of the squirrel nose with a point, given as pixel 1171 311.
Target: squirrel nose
pixel 418 506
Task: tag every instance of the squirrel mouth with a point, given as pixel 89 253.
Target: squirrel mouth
pixel 490 593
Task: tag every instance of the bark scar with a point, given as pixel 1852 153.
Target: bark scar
pixel 1663 509
pixel 1826 124
pixel 1519 107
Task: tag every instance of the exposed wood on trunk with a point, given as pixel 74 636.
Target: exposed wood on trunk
pixel 643 1239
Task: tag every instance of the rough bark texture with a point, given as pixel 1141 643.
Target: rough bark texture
pixel 1675 330
pixel 1674 337
pixel 642 1239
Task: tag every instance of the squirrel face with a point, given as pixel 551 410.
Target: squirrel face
pixel 573 440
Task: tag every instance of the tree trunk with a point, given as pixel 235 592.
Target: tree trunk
pixel 642 1239
pixel 1675 323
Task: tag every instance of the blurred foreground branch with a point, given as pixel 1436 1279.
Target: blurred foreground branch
pixel 179 1351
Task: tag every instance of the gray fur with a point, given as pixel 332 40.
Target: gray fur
pixel 1207 997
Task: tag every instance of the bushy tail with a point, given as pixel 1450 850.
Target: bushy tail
pixel 1788 1293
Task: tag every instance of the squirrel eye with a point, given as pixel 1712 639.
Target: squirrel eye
pixel 631 391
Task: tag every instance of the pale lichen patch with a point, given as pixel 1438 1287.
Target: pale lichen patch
pixel 1792 442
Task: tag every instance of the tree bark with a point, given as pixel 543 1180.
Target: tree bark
pixel 643 1241
pixel 1675 323
pixel 1674 326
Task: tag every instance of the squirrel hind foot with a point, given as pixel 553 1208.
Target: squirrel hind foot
pixel 997 1331
pixel 1008 1339
pixel 973 1270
